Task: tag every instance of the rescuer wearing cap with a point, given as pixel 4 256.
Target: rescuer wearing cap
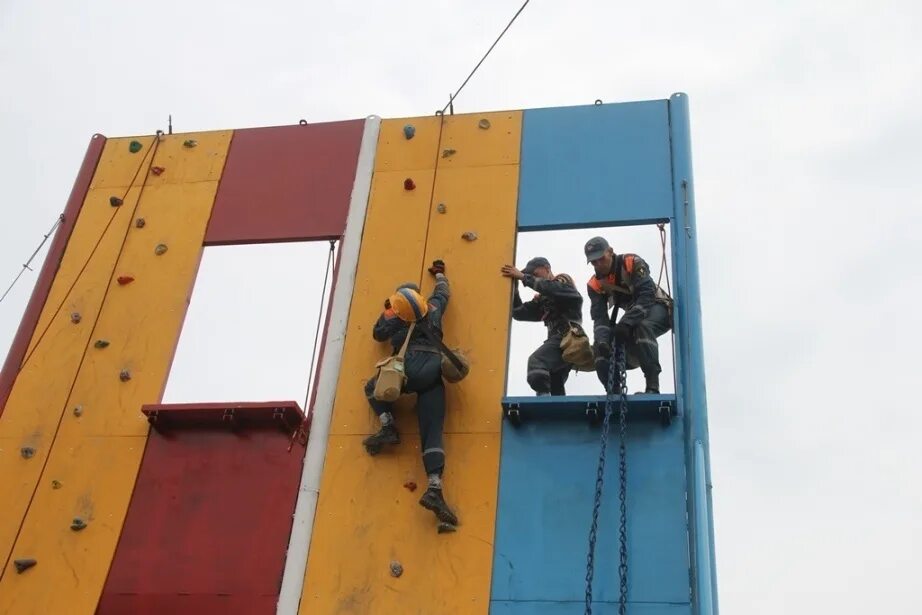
pixel 557 304
pixel 623 281
pixel 423 377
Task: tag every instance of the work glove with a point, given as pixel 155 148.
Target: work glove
pixel 602 350
pixel 438 266
pixel 623 333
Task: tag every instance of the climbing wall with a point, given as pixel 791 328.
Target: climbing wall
pixel 94 361
pixel 98 339
pixel 463 171
pixel 611 165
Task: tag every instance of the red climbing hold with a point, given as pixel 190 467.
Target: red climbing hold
pixel 124 279
pixel 410 486
pixel 157 170
pixel 408 184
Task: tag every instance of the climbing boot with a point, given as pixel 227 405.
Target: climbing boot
pixel 652 384
pixel 433 500
pixel 386 435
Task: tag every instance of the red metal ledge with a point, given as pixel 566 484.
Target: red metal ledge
pixel 230 415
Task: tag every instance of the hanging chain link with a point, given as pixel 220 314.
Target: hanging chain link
pixel 622 476
pixel 617 368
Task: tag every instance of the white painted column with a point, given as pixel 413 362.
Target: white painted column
pixel 328 376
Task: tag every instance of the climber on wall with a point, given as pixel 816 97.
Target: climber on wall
pixel 423 371
pixel 558 304
pixel 623 281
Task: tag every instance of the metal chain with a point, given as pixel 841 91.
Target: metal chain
pixel 616 368
pixel 622 475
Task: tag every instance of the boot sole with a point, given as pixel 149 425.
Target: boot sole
pixel 443 515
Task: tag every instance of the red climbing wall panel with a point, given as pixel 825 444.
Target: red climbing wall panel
pixel 209 521
pixel 286 183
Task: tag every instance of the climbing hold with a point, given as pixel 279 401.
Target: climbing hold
pixel 75 317
pixel 55 484
pixel 124 375
pixel 115 201
pixel 157 170
pixel 78 411
pixel 446 528
pixel 469 235
pixel 23 564
pixel 408 184
pixel 409 131
pixel 483 124
pixel 134 147
pixel 396 569
pixel 27 452
pixel 448 152
pixel 78 524
pixel 160 249
pixel 101 344
pixel 441 208
pixel 140 222
pixel 124 279
pixel 410 486
pixel 189 143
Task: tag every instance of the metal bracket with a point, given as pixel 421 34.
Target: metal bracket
pixel 592 412
pixel 513 415
pixel 665 412
pixel 230 418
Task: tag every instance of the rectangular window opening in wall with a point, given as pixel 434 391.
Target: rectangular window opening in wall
pixel 251 324
pixel 564 249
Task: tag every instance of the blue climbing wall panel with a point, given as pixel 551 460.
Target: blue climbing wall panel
pixel 547 483
pixel 595 166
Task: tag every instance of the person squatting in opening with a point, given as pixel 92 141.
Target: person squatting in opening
pixel 622 281
pixel 557 304
pixel 423 377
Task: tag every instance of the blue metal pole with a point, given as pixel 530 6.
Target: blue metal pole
pixel 690 358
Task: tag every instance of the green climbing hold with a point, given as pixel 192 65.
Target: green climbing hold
pixel 189 143
pixel 78 524
pixel 161 249
pixel 55 484
pixel 134 147
pixel 101 343
pixel 115 201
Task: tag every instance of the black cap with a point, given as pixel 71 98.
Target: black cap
pixel 538 261
pixel 595 248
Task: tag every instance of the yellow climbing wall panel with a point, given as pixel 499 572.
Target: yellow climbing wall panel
pixel 38 398
pixel 366 518
pixel 95 456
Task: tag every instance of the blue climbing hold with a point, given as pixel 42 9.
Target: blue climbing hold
pixel 409 131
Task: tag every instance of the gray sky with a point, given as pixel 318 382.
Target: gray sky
pixel 805 132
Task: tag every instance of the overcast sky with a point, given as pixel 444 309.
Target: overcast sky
pixel 806 127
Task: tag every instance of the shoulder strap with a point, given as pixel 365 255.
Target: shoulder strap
pixel 424 327
pixel 406 342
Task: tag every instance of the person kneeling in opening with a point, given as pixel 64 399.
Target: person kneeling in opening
pixel 423 376
pixel 623 281
pixel 558 304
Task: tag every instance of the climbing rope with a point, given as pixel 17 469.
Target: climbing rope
pixel 664 268
pixel 616 368
pixel 323 295
pixel 151 152
pixel 451 98
pixel 29 262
